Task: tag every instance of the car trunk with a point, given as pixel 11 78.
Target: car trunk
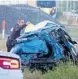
pixel 3 56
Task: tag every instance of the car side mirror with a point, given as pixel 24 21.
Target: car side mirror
pixel 74 42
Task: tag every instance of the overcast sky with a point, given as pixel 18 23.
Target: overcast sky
pixel 4 2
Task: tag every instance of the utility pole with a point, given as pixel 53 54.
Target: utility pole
pixel 3 28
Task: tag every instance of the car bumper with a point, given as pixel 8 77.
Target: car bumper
pixel 11 76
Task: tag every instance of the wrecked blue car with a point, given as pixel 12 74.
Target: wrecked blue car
pixel 43 48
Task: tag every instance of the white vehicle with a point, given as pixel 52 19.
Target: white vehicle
pixel 10 67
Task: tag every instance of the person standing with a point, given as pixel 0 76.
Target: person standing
pixel 15 32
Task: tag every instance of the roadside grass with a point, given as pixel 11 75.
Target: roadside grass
pixel 63 71
pixel 2 45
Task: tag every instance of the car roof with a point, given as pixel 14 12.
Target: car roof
pixel 40 27
pixel 43 24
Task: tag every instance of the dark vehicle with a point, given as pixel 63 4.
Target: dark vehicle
pixel 42 48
